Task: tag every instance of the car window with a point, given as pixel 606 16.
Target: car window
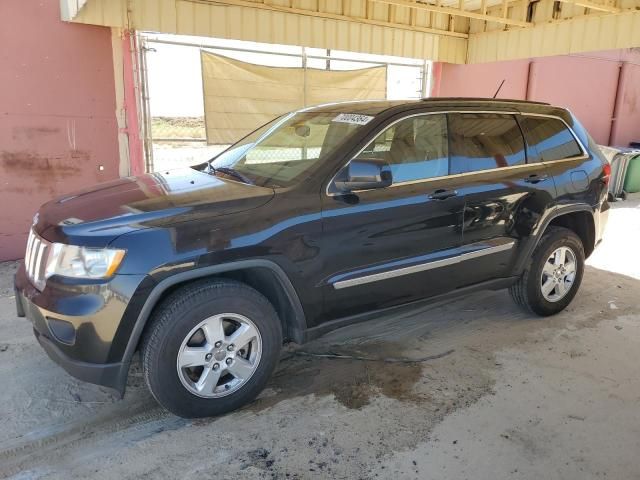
pixel 482 141
pixel 415 148
pixel 550 137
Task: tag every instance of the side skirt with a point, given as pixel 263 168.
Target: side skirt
pixel 324 328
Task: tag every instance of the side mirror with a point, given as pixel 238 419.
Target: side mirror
pixel 364 174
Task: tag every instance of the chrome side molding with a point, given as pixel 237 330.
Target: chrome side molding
pixel 444 262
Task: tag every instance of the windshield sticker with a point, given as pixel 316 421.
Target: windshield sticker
pixel 354 118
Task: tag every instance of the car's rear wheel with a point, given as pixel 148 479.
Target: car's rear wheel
pixel 210 348
pixel 553 275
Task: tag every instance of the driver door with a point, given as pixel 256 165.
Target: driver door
pixel 386 246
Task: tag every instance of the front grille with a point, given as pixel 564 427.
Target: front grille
pixel 35 259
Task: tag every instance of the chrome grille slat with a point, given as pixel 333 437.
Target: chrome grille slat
pixel 36 270
pixel 32 256
pixel 35 258
pixel 27 256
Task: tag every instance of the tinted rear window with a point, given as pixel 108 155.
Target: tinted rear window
pixel 482 141
pixel 550 137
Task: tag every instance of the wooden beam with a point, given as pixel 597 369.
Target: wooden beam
pixel 332 16
pixel 455 11
pixel 483 10
pixel 593 6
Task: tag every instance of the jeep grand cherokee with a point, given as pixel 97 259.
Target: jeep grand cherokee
pixel 323 217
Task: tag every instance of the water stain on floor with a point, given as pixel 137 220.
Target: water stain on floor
pixel 353 382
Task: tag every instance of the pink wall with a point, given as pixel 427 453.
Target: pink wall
pixel 57 112
pixel 586 84
pixel 483 79
pixel 627 118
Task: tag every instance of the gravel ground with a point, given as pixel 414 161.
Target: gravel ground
pixel 510 396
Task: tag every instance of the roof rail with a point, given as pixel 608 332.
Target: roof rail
pixel 481 99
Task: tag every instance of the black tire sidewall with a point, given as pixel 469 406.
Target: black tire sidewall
pixel 558 238
pixel 161 355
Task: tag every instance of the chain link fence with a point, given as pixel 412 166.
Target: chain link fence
pixel 180 141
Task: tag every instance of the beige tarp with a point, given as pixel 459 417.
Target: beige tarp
pixel 239 96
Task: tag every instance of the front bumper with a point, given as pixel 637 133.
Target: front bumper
pixel 113 375
pixel 81 327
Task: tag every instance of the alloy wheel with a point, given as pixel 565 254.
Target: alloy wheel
pixel 558 274
pixel 219 355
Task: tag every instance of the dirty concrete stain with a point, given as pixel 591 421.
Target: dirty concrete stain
pixel 352 382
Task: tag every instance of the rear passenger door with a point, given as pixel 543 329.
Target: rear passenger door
pixel 505 194
pixel 552 143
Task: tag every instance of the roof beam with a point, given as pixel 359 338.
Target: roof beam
pixel 460 13
pixel 333 16
pixel 593 6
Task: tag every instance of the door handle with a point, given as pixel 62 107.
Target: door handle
pixel 535 178
pixel 442 194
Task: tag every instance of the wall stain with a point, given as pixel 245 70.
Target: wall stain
pixel 33 133
pixel 28 171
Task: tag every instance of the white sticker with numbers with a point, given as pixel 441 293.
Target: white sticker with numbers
pixel 354 118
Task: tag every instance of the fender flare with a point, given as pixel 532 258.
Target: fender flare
pixel 299 320
pixel 531 243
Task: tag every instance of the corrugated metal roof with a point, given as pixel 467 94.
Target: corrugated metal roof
pixel 456 31
pixel 583 34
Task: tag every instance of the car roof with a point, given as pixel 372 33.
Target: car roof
pixel 365 107
pixel 374 107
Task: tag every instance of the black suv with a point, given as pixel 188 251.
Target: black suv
pixel 320 218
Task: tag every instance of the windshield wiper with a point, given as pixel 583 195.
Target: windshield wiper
pixel 232 172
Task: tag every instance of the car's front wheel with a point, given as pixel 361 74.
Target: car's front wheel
pixel 210 348
pixel 553 275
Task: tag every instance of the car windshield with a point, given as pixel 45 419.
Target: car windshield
pixel 287 149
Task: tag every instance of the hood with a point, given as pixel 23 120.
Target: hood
pixel 95 216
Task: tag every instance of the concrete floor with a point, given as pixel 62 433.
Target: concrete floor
pixel 518 397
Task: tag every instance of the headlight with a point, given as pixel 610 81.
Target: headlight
pixel 82 262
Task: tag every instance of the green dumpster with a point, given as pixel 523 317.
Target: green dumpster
pixel 632 178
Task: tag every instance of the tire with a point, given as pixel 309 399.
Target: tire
pixel 528 290
pixel 173 340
